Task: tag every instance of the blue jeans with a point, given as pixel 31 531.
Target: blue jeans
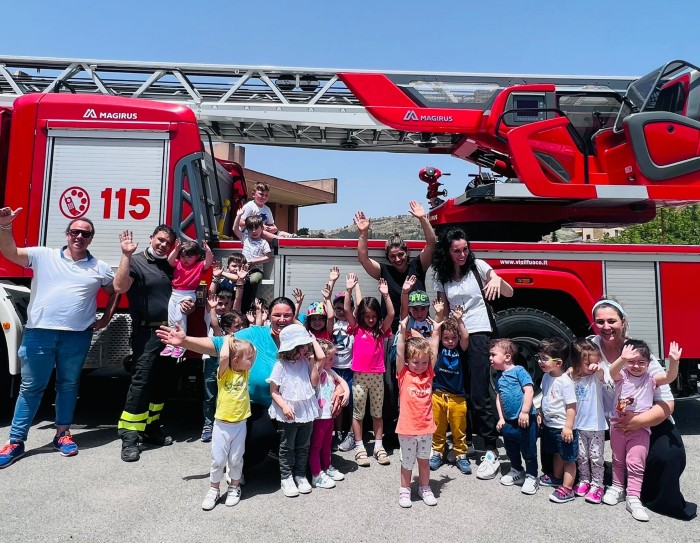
pixel 521 441
pixel 40 352
pixel 211 367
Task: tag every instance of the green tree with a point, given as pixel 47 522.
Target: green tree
pixel 672 226
pixel 303 232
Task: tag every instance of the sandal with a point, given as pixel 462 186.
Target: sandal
pixel 381 456
pixel 361 458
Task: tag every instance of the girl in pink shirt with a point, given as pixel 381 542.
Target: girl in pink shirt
pixel 189 262
pixel 368 365
pixel 415 362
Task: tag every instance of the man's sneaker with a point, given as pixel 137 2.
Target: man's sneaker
pixel 322 481
pixel 168 351
pixel 155 436
pixel 64 444
pixel 595 495
pixel 427 495
pixel 489 466
pixel 131 452
pixel 547 480
pixel 635 507
pixel 334 474
pixel 348 443
pixel 530 486
pixel 405 497
pixel 289 489
pixel 513 477
pixel 233 495
pixel 335 441
pixel 302 484
pixel 210 499
pixel 435 460
pixel 463 464
pixel 206 434
pixel 178 352
pixel 582 489
pixel 10 453
pixel 562 495
pixel 613 496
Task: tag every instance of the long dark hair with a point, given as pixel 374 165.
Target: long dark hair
pixel 364 305
pixel 442 261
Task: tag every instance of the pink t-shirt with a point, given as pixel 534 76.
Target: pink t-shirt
pixel 415 402
pixel 187 278
pixel 367 351
pixel 634 394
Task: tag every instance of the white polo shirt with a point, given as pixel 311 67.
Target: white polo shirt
pixel 64 292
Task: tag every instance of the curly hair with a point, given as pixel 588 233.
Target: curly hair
pixel 506 345
pixel 450 325
pixel 442 261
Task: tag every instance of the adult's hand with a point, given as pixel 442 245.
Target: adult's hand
pixel 100 323
pixel 187 307
pixel 628 422
pixel 126 241
pixel 492 290
pixel 7 215
pixel 416 209
pixel 174 336
pixel 362 223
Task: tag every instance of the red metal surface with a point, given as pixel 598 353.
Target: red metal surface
pixel 679 306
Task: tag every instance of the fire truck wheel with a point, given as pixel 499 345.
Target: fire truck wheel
pixel 6 399
pixel 526 327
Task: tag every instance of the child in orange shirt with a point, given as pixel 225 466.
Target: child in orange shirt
pixel 415 360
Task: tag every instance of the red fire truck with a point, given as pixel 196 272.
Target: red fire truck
pixel 121 142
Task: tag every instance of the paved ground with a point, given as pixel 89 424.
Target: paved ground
pixel 95 497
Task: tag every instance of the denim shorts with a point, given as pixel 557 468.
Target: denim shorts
pixel 552 443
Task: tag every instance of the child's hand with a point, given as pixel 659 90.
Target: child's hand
pixel 250 315
pixel 458 313
pixel 242 272
pixel 628 352
pixel 176 245
pixel 439 306
pixel 539 419
pixel 524 420
pixel 257 304
pixel 350 281
pixel 593 367
pixel 212 301
pixel 326 292
pixel 288 412
pixel 403 324
pixel 674 352
pixel 500 424
pixel 206 247
pixel 408 283
pixel 216 269
pixel 298 295
pixel 264 316
pixel 334 274
pixel 567 435
pixel 383 287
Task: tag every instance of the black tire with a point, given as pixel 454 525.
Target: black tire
pixel 526 327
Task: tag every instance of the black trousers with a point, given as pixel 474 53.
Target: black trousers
pixel 478 385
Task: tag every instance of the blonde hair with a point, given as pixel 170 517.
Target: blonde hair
pixel 238 349
pixel 416 346
pixel 506 345
pixel 326 346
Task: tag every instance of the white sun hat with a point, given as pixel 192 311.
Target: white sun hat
pixel 292 336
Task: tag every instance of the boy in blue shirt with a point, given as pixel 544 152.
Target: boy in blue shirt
pixel 517 418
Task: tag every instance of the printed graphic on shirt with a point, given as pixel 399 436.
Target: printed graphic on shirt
pixel 416 391
pixel 582 392
pixel 449 359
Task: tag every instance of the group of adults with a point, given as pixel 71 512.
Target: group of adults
pixel 61 321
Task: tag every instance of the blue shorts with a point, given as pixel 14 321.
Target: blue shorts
pixel 552 443
pixel 347 374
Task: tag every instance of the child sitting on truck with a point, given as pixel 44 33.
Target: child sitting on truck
pixel 258 206
pixel 256 250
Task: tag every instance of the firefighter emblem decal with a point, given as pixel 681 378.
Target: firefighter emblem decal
pixel 74 202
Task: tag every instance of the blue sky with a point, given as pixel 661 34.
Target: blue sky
pixel 503 36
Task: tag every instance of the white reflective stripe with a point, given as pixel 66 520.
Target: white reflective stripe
pixel 110 134
pixel 620 192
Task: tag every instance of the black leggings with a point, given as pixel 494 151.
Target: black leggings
pixel 479 386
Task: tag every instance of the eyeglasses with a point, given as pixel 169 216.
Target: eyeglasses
pixel 85 233
pixel 640 363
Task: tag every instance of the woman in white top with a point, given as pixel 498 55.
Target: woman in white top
pixel 456 285
pixel 661 490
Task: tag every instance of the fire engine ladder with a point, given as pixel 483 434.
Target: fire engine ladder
pixel 302 107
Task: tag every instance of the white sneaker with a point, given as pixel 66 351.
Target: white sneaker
pixel 635 507
pixel 334 474
pixel 513 477
pixel 210 499
pixel 405 497
pixel 322 481
pixel 233 496
pixel 530 485
pixel 490 464
pixel 426 494
pixel 613 495
pixel 302 485
pixel 348 443
pixel 289 488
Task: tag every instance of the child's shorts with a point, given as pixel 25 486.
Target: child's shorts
pixel 552 443
pixel 367 385
pixel 413 447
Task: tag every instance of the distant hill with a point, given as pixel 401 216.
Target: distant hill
pixel 380 228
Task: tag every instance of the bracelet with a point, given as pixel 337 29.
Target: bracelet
pixel 6 227
pixel 216 280
pixel 239 286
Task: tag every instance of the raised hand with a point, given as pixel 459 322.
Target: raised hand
pixel 350 280
pixel 629 352
pixel 402 326
pixel 125 240
pixel 409 283
pixel 334 274
pixel 361 222
pixel 383 287
pixel 212 301
pixel 439 306
pixel 458 312
pixel 674 352
pixel 216 269
pixel 298 295
pixel 416 209
pixel 171 336
pixel 326 291
pixel 243 271
pixel 7 215
pixel 250 316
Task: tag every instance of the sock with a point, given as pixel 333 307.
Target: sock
pixel 359 445
pixel 377 444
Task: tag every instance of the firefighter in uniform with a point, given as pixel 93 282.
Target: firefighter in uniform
pixel 149 287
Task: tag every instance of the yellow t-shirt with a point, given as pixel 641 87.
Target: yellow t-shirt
pixel 233 400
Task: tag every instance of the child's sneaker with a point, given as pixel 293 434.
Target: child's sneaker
pixel 426 494
pixel 361 457
pixel 381 456
pixel 613 496
pixel 302 485
pixel 547 480
pixel 334 474
pixel 206 434
pixel 513 477
pixel 168 351
pixel 10 453
pixel 178 352
pixel 210 499
pixel 435 461
pixel 595 495
pixel 582 488
pixel 348 443
pixel 233 496
pixel 463 464
pixel 562 495
pixel 490 464
pixel 405 497
pixel 530 486
pixel 289 489
pixel 635 507
pixel 322 481
pixel 64 444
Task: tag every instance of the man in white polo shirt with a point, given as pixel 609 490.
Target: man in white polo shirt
pixel 60 323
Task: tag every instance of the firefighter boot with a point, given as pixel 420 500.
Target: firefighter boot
pixel 130 446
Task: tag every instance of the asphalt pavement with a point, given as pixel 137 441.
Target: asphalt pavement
pixel 95 497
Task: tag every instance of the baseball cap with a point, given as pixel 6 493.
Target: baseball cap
pixel 292 336
pixel 418 298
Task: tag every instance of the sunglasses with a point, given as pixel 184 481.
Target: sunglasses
pixel 85 233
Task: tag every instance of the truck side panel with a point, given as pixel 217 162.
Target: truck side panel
pixel 680 306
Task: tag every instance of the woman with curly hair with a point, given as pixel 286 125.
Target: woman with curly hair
pixel 457 286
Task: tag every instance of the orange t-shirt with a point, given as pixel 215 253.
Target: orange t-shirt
pixel 415 402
